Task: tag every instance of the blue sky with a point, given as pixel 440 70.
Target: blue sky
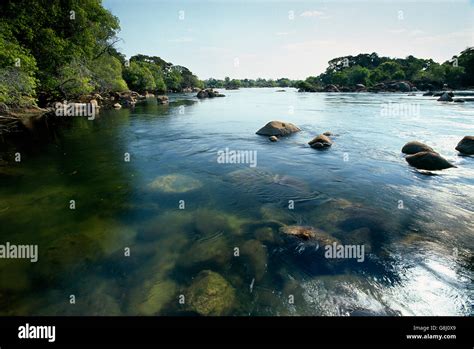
pixel 295 39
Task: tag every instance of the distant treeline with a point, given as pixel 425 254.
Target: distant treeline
pixel 370 70
pixel 236 83
pixel 61 49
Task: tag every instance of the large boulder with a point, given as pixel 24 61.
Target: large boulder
pixel 278 128
pixel 320 142
pixel 211 295
pixel 466 145
pixel 208 93
pixel 445 97
pixel 428 161
pixel 162 99
pixel 416 147
pixel 404 86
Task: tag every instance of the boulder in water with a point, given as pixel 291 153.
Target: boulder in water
pixel 162 99
pixel 445 97
pixel 320 142
pixel 428 161
pixel 414 147
pixel 273 138
pixel 466 145
pixel 278 128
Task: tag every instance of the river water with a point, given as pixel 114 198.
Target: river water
pixel 152 207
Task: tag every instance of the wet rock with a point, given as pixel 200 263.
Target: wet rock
pixel 416 147
pixel 257 256
pixel 445 97
pixel 162 99
pixel 175 183
pixel 429 93
pixel 281 91
pixel 428 161
pixel 278 128
pixel 466 145
pixel 459 100
pixel 327 133
pixel 211 295
pixel 320 142
pixel 273 138
pixel 117 106
pixel 309 233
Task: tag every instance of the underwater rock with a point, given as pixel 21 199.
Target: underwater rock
pixel 428 161
pixel 210 251
pixel 209 222
pixel 265 234
pixel 211 295
pixel 66 254
pixel 155 298
pixel 273 138
pixel 320 141
pixel 466 145
pixel 257 255
pixel 278 128
pixel 416 147
pixel 168 223
pixel 175 184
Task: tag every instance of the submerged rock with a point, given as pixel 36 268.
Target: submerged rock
pixel 416 147
pixel 320 141
pixel 212 251
pixel 257 256
pixel 154 297
pixel 466 145
pixel 211 295
pixel 175 183
pixel 273 138
pixel 428 161
pixel 278 128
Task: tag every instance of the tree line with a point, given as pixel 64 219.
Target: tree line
pixel 371 69
pixel 61 49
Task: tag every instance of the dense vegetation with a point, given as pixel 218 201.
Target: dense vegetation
pixel 61 49
pixel 370 69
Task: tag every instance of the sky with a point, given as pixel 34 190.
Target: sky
pixel 293 39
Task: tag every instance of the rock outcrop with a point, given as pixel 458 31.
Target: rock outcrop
pixel 466 145
pixel 278 128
